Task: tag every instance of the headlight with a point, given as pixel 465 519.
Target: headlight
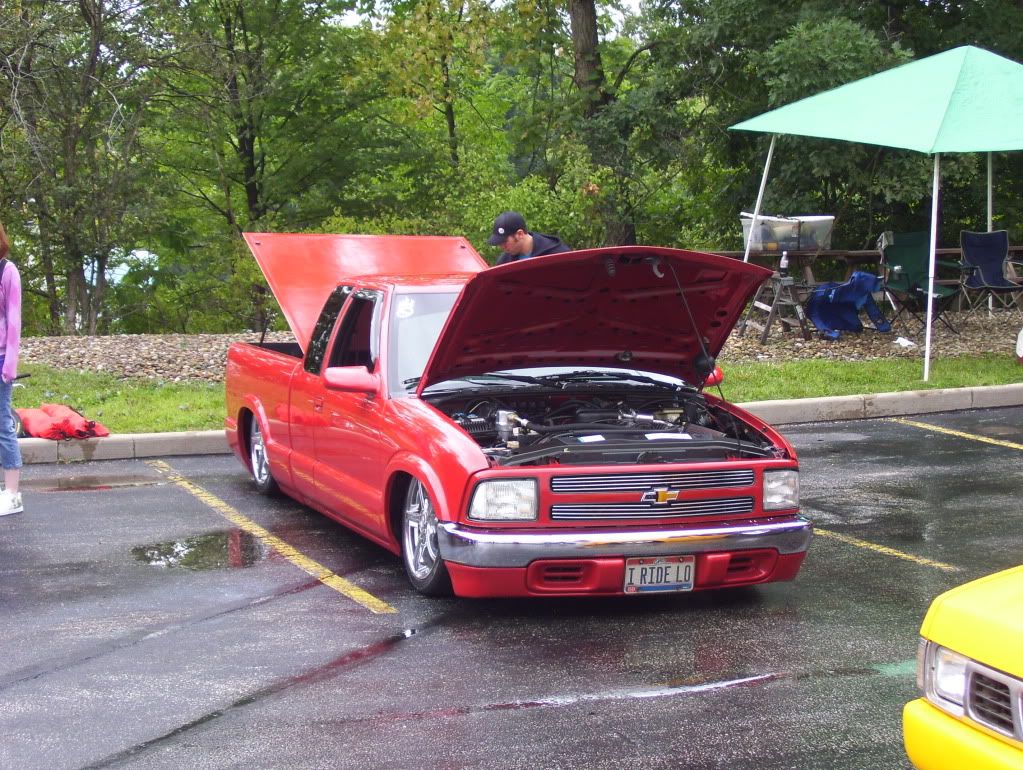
pixel 949 675
pixel 922 664
pixel 941 675
pixel 781 490
pixel 500 500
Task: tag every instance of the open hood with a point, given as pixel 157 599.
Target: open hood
pixel 304 269
pixel 619 306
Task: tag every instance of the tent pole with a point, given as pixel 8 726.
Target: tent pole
pixel 990 222
pixel 930 264
pixel 760 199
pixel 990 195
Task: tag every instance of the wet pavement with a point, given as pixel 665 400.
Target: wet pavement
pixel 144 628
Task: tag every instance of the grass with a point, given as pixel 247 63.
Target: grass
pixel 818 377
pixel 125 406
pixel 147 406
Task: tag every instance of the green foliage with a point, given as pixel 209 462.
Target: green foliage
pixel 125 406
pixel 144 406
pixel 819 377
pixel 128 176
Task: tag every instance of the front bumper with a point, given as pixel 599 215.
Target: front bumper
pixel 491 548
pixel 935 740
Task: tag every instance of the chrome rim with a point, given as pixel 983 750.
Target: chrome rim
pixel 257 454
pixel 421 552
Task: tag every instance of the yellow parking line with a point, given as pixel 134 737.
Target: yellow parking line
pixel 959 433
pixel 900 554
pixel 297 558
pixel 885 550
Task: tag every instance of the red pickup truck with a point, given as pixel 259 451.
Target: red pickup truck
pixel 533 429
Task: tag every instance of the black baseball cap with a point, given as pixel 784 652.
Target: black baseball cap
pixel 508 223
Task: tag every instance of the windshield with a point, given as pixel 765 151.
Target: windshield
pixel 416 321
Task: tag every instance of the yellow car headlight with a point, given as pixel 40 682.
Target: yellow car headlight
pixel 949 675
pixel 941 676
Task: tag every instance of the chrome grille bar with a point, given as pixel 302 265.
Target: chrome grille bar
pixel 637 482
pixel 576 511
pixel 992 699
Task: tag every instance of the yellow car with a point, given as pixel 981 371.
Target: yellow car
pixel 970 671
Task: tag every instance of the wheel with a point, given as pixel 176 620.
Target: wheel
pixel 19 429
pixel 419 550
pixel 258 463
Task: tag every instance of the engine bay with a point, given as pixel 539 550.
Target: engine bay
pixel 603 428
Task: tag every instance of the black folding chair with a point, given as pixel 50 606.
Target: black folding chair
pixel 985 256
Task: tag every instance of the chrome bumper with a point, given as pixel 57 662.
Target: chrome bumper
pixel 505 548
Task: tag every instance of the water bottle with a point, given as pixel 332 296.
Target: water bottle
pixel 783 265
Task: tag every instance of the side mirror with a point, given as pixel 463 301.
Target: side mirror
pixel 353 379
pixel 716 377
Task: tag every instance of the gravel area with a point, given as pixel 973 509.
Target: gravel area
pixel 175 357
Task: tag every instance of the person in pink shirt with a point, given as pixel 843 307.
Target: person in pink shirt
pixel 10 347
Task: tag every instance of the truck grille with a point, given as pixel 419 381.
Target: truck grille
pixel 996 701
pixel 638 482
pixel 723 506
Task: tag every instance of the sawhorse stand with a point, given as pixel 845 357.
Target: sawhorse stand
pixel 777 298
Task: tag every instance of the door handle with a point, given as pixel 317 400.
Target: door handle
pixel 317 404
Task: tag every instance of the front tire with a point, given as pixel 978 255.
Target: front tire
pixel 419 548
pixel 259 465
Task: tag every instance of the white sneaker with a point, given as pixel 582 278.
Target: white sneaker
pixel 10 502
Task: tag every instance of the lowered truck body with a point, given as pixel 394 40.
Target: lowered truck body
pixel 538 428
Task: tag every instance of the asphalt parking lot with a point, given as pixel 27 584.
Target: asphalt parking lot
pixel 161 614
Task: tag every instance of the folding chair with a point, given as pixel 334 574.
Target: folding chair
pixel 905 264
pixel 985 256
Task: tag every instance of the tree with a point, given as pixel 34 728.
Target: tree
pixel 260 128
pixel 74 84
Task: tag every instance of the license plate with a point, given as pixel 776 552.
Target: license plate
pixel 659 573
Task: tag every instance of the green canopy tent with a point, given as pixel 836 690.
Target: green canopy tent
pixel 963 100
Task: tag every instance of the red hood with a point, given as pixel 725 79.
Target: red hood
pixel 618 306
pixel 303 270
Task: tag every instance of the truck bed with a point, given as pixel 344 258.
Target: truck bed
pixel 287 348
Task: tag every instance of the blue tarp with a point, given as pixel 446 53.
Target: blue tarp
pixel 835 307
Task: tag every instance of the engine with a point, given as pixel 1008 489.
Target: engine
pixel 560 429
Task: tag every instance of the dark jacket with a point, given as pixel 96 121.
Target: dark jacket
pixel 542 246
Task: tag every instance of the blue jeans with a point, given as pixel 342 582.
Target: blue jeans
pixel 10 452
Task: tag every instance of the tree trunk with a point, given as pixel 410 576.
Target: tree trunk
pixel 449 114
pixel 589 70
pixel 619 220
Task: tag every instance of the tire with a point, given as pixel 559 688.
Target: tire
pixel 419 550
pixel 259 466
pixel 19 429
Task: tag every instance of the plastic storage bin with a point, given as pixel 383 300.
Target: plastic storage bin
pixel 803 233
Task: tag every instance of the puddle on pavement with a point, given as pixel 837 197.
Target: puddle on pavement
pixel 226 549
pixel 1000 431
pixel 88 483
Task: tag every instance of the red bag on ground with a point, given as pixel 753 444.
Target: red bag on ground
pixel 57 422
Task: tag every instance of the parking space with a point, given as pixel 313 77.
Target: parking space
pixel 162 614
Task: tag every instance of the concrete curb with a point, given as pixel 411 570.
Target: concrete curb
pixel 124 446
pixel 130 446
pixel 885 404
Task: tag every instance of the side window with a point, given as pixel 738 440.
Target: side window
pixel 355 343
pixel 324 326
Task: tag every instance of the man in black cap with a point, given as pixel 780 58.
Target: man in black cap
pixel 517 242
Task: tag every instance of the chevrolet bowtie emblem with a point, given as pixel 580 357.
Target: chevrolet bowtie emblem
pixel 660 496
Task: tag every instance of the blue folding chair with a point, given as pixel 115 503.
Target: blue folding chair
pixel 984 258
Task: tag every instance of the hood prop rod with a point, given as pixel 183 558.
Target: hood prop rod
pixel 705 354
